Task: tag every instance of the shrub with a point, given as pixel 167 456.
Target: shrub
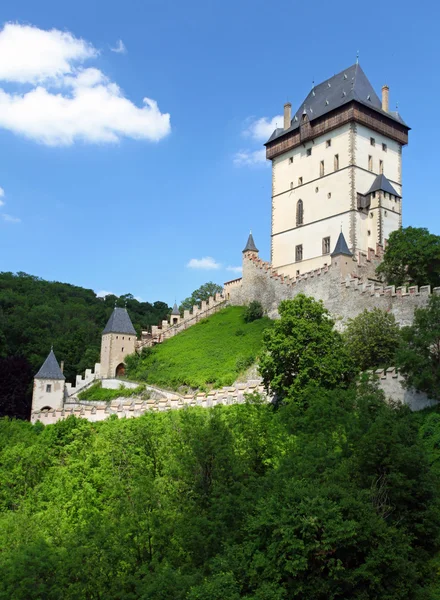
pixel 253 312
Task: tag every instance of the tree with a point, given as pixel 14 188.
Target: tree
pixel 202 293
pixel 253 312
pixel 418 357
pixel 412 256
pixel 372 339
pixel 303 347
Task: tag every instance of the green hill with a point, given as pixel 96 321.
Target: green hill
pixel 212 353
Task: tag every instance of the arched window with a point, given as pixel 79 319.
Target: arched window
pixel 299 212
pixel 120 370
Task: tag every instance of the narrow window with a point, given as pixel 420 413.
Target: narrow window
pixel 381 167
pixel 328 143
pixel 291 185
pixel 374 194
pixel 336 162
pixel 370 163
pixel 309 152
pixel 316 190
pixel 372 141
pixel 326 245
pixel 48 388
pixel 291 160
pixel 117 337
pixel 329 195
pixel 321 168
pixel 297 272
pixel 298 252
pixel 299 212
pixel 369 232
pixel 300 180
pixel 384 147
pixel 123 338
pixel 122 348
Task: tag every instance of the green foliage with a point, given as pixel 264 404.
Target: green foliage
pixel 97 392
pixel 253 311
pixel 372 339
pixel 303 347
pixel 337 501
pixel 412 256
pixel 208 353
pixel 34 314
pixel 418 357
pixel 202 293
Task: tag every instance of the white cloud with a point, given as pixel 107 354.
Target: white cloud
pixel 30 55
pixel 138 298
pixel 67 102
pixel 250 157
pixel 104 293
pixel 261 129
pixel 119 48
pixel 207 263
pixel 234 269
pixel 10 218
pixel 2 195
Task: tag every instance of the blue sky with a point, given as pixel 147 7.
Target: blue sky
pixel 104 191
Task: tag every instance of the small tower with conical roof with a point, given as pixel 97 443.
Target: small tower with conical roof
pixel 49 384
pixel 118 341
pixel 175 315
pixel 250 249
pixel 341 257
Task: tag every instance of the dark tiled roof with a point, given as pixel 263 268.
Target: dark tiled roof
pixel 346 86
pixel 119 322
pixel 341 247
pixel 175 310
pixel 250 245
pixel 381 183
pixel 50 369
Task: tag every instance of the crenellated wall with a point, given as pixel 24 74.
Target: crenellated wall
pixel 167 330
pixel 343 286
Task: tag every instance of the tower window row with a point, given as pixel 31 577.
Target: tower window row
pixel 373 143
pixel 299 251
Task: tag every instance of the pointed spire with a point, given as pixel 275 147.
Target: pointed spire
pixel 250 244
pixel 119 322
pixel 176 311
pixel 341 247
pixel 50 368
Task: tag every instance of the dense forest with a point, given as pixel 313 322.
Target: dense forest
pixel 36 314
pixel 333 497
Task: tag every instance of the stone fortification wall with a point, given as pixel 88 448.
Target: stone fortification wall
pixel 391 382
pixel 129 408
pixel 167 330
pixel 82 383
pixel 343 286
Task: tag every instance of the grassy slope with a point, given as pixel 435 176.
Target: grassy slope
pixel 213 352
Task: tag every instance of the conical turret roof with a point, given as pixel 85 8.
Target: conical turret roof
pixel 341 247
pixel 176 311
pixel 50 368
pixel 250 244
pixel 119 322
pixel 383 184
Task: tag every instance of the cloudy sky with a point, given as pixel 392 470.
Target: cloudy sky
pixel 131 156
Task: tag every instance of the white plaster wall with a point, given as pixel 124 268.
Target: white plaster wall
pixel 53 399
pixel 390 158
pixel 314 193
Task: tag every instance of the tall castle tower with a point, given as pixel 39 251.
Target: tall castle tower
pixel 48 392
pixel 336 164
pixel 118 341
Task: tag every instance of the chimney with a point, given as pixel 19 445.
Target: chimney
pixel 385 97
pixel 287 115
pixel 62 366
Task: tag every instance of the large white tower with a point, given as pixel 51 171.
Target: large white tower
pixel 336 164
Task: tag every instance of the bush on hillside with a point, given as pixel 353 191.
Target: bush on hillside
pixel 253 311
pixel 97 393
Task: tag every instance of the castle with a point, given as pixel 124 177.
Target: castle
pixel 336 197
